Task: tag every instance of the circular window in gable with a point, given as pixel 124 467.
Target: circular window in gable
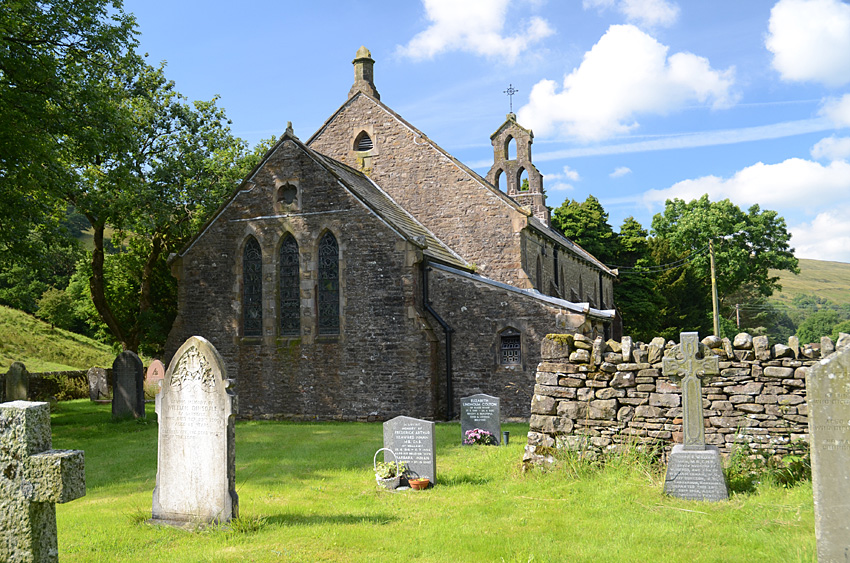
pixel 287 194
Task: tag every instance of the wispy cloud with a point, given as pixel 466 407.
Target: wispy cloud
pixel 620 171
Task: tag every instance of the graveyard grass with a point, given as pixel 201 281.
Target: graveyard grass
pixel 307 493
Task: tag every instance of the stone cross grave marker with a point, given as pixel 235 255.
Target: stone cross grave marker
pixel 196 467
pixel 98 385
pixel 828 396
pixel 33 479
pixel 17 382
pixel 480 411
pixel 694 470
pixel 128 386
pixel 155 373
pixel 412 441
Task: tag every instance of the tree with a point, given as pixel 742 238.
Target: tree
pixel 635 294
pixel 587 225
pixel 821 323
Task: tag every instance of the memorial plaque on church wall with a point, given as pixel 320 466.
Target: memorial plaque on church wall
pixel 412 441
pixel 480 411
pixel 828 396
pixel 196 406
pixel 128 386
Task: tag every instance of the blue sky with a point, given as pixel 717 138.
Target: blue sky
pixel 633 101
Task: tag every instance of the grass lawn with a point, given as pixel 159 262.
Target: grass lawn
pixel 307 493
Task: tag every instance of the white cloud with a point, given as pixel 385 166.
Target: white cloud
pixel 832 148
pixel 620 171
pixel 646 12
pixel 571 174
pixel 474 26
pixel 837 110
pixel 796 182
pixel 625 74
pixel 810 40
pixel 827 237
pixel 557 180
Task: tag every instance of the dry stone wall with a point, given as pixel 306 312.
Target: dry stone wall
pixel 598 396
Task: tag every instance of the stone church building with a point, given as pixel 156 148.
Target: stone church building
pixel 366 273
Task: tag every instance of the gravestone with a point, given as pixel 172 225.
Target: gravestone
pixel 480 411
pixel 412 441
pixel 17 382
pixel 33 479
pixel 196 468
pixel 828 396
pixel 98 385
pixel 128 386
pixel 694 470
pixel 155 373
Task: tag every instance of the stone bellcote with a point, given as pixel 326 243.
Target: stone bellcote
pixel 506 173
pixel 364 79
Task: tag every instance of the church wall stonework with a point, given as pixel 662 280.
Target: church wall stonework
pixel 380 363
pixel 437 191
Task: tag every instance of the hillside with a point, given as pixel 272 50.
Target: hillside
pixel 817 277
pixel 29 340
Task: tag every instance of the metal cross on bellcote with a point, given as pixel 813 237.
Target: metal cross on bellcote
pixel 685 368
pixel 510 92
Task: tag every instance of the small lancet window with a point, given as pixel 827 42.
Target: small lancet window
pixel 555 268
pixel 510 348
pixel 328 285
pixel 363 142
pixel 252 289
pixel 290 283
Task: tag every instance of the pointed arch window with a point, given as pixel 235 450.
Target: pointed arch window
pixel 363 142
pixel 328 285
pixel 290 285
pixel 252 289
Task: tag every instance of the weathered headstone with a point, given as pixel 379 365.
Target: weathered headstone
pixel 128 386
pixel 694 470
pixel 155 373
pixel 480 411
pixel 98 385
pixel 196 467
pixel 828 396
pixel 17 382
pixel 412 441
pixel 33 479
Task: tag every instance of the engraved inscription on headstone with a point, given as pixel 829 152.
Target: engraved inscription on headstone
pixel 196 406
pixel 412 441
pixel 17 382
pixel 128 386
pixel 480 411
pixel 33 479
pixel 694 470
pixel 828 396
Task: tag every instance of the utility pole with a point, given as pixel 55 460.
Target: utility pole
pixel 714 290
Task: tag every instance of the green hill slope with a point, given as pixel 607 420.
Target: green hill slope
pixel 26 339
pixel 817 277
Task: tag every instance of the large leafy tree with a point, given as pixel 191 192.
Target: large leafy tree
pixel 586 223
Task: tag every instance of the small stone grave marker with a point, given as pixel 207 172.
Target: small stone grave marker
pixel 480 411
pixel 412 441
pixel 33 479
pixel 98 385
pixel 196 467
pixel 828 396
pixel 128 386
pixel 155 373
pixel 17 382
pixel 694 470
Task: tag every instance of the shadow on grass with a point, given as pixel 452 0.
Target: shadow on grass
pixel 457 480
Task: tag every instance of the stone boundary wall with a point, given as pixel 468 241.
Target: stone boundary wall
pixel 45 384
pixel 597 396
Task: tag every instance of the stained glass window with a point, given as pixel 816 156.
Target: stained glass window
pixel 252 289
pixel 328 285
pixel 290 285
pixel 510 347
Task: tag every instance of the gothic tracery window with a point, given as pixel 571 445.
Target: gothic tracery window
pixel 252 289
pixel 328 285
pixel 290 284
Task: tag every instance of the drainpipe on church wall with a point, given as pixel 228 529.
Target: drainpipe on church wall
pixel 448 332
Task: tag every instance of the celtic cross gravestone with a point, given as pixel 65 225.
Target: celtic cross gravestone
pixel 694 470
pixel 33 479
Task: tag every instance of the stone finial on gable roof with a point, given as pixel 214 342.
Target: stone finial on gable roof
pixel 364 74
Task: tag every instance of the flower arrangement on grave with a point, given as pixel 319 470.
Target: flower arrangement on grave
pixel 478 436
pixel 389 469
